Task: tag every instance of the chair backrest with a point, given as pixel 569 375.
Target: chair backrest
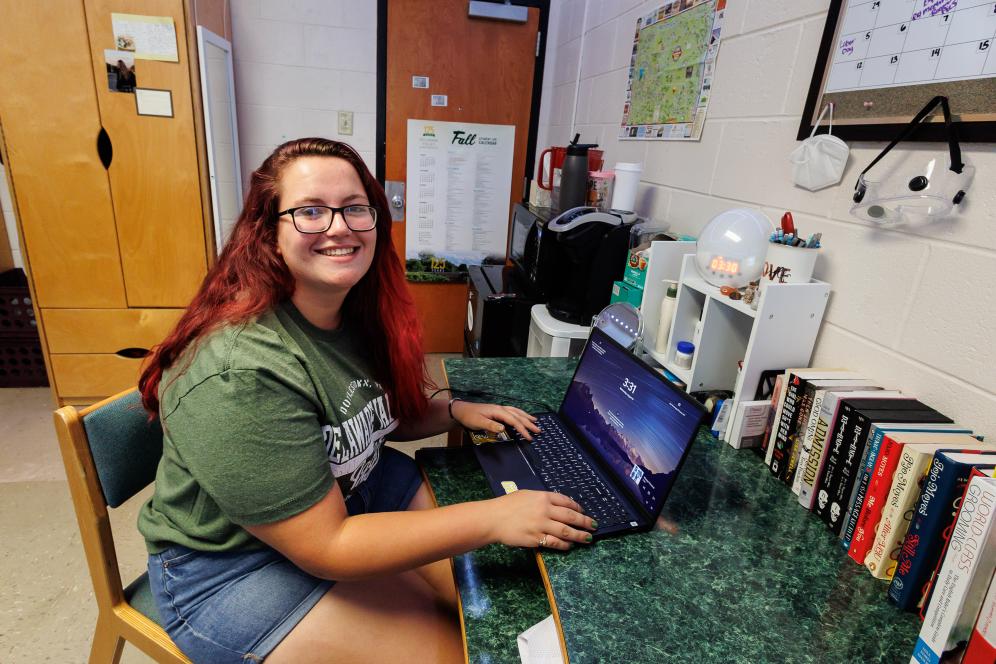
pixel 110 451
pixel 125 446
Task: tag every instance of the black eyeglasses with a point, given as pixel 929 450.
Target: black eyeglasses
pixel 318 218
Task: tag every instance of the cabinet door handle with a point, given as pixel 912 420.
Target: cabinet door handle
pixel 133 353
pixel 104 148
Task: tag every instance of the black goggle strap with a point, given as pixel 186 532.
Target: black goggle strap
pixel 953 147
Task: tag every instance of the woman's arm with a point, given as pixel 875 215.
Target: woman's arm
pixel 475 416
pixel 324 541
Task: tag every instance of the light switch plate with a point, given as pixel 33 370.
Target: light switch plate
pixel 345 123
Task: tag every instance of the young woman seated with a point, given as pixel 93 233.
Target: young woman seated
pixel 281 527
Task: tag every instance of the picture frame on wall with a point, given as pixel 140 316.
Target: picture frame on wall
pixel 880 61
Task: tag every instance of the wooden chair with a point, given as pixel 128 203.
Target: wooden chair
pixel 111 451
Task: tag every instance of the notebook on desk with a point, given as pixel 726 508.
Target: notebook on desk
pixel 615 445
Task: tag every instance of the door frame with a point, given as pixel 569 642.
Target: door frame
pixel 537 94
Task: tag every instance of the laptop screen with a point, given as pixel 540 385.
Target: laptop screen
pixel 632 417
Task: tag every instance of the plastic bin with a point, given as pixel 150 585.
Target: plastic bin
pixel 21 362
pixel 16 314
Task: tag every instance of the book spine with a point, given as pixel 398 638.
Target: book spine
pixel 861 486
pixel 852 460
pixel 807 440
pixel 878 492
pixel 789 410
pixel 777 403
pixel 982 644
pixel 828 480
pixel 892 527
pixel 818 452
pixel 796 434
pixel 954 606
pixel 917 549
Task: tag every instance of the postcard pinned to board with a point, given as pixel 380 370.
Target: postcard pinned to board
pixel 150 37
pixel 149 101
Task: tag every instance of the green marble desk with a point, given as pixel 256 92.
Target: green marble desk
pixel 740 573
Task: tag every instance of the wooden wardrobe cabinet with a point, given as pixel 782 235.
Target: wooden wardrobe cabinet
pixel 115 244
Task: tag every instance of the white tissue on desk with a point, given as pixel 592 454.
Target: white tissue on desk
pixel 540 644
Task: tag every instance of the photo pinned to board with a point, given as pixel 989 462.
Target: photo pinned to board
pixel 120 70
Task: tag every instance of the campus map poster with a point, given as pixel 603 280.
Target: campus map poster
pixel 457 197
pixel 671 69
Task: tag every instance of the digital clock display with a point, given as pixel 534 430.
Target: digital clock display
pixel 721 264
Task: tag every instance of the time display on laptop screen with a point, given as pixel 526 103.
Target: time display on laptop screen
pixel 640 426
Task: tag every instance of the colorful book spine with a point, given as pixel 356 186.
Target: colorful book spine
pixel 807 440
pixel 843 430
pixel 965 572
pixel 818 450
pixel 873 453
pixel 893 525
pixel 982 644
pixel 878 491
pixel 796 433
pixel 936 508
pixel 861 486
pixel 777 400
pixel 786 424
pixel 840 491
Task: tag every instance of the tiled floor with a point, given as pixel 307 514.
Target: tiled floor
pixel 48 612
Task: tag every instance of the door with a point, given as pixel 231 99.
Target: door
pixel 485 68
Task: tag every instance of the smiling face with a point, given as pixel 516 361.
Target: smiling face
pixel 324 265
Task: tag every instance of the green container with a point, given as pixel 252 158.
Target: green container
pixel 624 292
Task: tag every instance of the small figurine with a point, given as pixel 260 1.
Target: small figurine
pixel 750 292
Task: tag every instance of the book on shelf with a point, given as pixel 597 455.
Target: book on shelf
pixel 822 436
pixel 749 424
pixel 777 393
pixel 897 512
pixel 884 476
pixel 868 463
pixel 810 432
pixel 964 576
pixel 946 540
pixel 797 429
pixel 833 489
pixel 789 406
pixel 935 510
pixel 982 643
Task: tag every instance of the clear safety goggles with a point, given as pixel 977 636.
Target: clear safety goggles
pixel 920 187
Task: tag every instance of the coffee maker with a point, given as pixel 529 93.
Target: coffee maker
pixel 570 261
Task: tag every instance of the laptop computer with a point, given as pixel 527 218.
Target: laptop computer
pixel 615 445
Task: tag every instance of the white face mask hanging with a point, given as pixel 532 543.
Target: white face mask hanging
pixel 819 161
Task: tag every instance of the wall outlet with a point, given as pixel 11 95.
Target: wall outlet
pixel 345 123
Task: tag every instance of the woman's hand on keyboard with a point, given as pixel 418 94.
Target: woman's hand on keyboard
pixel 492 417
pixel 540 518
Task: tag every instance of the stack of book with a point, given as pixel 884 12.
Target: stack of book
pixel 910 494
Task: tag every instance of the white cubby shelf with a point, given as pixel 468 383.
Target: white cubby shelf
pixel 780 334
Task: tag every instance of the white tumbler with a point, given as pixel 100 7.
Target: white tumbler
pixel 624 189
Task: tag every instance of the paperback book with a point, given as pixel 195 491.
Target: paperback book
pixel 965 573
pixel 936 508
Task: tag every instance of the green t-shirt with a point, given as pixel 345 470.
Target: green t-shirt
pixel 256 424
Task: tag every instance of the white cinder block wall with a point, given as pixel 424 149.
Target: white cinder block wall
pixel 913 308
pixel 297 64
pixel 10 221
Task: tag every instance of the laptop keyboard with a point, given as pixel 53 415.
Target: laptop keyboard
pixel 564 470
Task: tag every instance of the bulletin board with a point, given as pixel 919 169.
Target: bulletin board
pixel 880 61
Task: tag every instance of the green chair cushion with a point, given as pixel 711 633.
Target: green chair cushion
pixel 125 446
pixel 139 595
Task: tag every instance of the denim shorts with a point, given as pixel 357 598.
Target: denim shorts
pixel 236 606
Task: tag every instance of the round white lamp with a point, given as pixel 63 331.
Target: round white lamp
pixel 731 249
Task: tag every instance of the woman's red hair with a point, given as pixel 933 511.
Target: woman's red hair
pixel 250 277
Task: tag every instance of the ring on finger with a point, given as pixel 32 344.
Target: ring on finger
pixel 542 542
